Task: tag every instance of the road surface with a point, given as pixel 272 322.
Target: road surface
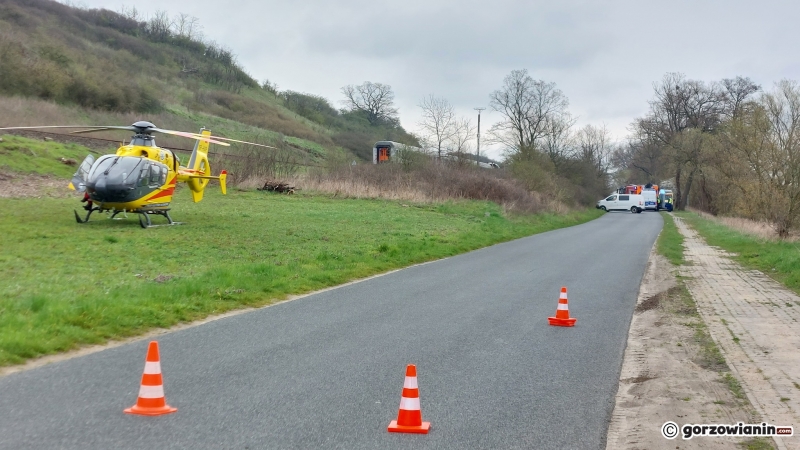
pixel 327 370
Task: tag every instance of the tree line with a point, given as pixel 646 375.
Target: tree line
pixel 727 147
pixel 544 149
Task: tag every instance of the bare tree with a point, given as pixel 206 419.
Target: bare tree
pixel 557 140
pixel 187 26
pixel 160 25
pixel 737 92
pixel 374 100
pixel 646 158
pixel 463 135
pixel 438 123
pixel 131 13
pixel 781 162
pixel 681 105
pixel 594 147
pixel 527 106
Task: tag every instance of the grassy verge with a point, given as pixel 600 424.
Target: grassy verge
pixel 778 259
pixel 670 242
pixel 64 284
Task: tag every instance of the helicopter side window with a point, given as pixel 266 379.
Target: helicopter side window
pixel 158 175
pixel 144 176
pixel 155 175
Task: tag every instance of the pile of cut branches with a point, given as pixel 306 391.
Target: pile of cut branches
pixel 277 186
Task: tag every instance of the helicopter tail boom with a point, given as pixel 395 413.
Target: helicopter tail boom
pixel 198 171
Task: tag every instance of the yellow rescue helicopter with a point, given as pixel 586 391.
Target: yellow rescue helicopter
pixel 141 177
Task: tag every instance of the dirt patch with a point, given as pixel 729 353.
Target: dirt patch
pixel 655 300
pixel 14 185
pixel 663 377
pixel 163 278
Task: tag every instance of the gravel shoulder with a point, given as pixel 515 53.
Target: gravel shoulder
pixel 669 372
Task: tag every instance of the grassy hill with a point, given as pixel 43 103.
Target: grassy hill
pixel 60 64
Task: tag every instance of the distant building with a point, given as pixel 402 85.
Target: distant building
pixel 388 151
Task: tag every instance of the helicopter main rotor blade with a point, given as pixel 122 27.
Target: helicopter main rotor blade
pixel 93 128
pixel 243 142
pixel 102 129
pixel 195 136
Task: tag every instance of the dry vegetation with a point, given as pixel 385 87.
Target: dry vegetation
pixel 429 182
pixel 761 229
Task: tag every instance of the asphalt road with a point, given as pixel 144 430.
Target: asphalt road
pixel 327 370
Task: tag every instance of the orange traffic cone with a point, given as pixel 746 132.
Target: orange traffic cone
pixel 409 418
pixel 562 318
pixel 151 401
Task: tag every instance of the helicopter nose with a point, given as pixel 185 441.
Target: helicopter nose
pixel 98 190
pixel 102 191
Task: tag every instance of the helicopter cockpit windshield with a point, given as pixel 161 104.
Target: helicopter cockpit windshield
pixel 114 178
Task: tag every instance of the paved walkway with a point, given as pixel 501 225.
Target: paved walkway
pixel 756 323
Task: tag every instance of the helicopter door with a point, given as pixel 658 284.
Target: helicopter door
pixel 80 177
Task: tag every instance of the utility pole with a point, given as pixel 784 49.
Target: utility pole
pixel 478 151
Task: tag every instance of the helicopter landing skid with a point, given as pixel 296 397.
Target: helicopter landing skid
pixel 86 219
pixel 145 222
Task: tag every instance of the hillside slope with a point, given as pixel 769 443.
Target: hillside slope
pixel 122 67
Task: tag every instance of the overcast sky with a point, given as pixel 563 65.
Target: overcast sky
pixel 604 55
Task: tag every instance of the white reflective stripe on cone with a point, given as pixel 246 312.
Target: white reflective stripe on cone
pixel 562 306
pixel 563 296
pixel 152 368
pixel 151 391
pixel 409 404
pixel 410 383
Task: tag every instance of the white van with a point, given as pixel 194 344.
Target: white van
pixel 650 199
pixel 622 202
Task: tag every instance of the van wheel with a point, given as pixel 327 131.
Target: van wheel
pixel 634 209
pixel 639 210
pixel 603 208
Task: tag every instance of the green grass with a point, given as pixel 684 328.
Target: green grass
pixel 778 259
pixel 23 155
pixel 759 443
pixel 735 387
pixel 670 242
pixel 65 284
pixel 313 148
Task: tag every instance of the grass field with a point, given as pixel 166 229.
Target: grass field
pixel 65 284
pixel 778 259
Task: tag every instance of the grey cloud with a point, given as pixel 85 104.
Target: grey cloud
pixel 501 33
